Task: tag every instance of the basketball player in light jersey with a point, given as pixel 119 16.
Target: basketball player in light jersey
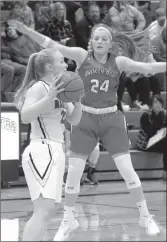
pixel 100 72
pixel 44 159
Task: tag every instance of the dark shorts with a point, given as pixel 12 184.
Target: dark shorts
pixel 109 128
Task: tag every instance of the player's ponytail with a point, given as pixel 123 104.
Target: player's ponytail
pixel 35 70
pixel 29 79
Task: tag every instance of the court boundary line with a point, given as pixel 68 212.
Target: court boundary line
pixel 84 195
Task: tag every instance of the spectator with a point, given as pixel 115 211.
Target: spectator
pixel 162 4
pixel 133 87
pixel 133 90
pixel 150 123
pixel 159 54
pixel 42 16
pixel 74 13
pixel 127 18
pixel 59 29
pixel 114 17
pixel 158 25
pixel 104 8
pixel 6 5
pixel 145 8
pixel 15 53
pixel 23 13
pixel 20 46
pixel 159 46
pixel 33 4
pixel 85 25
pixel 7 71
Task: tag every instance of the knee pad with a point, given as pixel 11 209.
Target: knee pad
pixel 75 171
pixel 134 182
pixel 127 171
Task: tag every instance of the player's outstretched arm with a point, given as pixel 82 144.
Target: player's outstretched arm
pixel 74 53
pixel 74 113
pixel 127 65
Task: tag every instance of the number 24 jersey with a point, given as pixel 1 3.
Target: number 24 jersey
pixel 101 82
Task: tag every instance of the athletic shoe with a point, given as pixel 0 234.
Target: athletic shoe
pixel 140 106
pixel 125 107
pixel 145 107
pixel 136 104
pixel 65 229
pixel 150 225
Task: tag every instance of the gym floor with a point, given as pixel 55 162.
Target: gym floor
pixel 105 212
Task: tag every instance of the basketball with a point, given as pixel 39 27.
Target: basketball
pixel 73 87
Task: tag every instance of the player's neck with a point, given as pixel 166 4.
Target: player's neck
pixel 49 79
pixel 102 59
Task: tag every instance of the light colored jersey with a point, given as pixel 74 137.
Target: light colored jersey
pixel 50 125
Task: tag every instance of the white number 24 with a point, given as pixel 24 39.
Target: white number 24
pixel 104 86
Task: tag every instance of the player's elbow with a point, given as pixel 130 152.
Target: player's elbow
pixel 25 118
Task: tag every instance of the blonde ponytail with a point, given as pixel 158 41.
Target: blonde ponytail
pixel 29 79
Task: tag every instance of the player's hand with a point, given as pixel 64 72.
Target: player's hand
pixel 55 88
pixel 20 27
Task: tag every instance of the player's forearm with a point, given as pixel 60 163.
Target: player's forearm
pixel 76 114
pixel 28 114
pixel 157 67
pixel 67 138
pixel 41 39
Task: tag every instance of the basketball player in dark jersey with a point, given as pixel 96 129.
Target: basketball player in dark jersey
pixel 100 71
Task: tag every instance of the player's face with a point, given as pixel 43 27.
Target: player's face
pixel 101 41
pixel 58 65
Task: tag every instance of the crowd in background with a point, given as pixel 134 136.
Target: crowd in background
pixel 70 23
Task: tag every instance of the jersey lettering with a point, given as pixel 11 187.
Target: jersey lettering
pixel 63 116
pixel 96 86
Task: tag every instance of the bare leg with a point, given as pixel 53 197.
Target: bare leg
pixel 125 167
pixel 37 224
pixel 72 189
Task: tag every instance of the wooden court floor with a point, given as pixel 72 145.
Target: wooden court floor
pixel 102 216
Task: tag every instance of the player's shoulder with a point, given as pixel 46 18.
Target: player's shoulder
pixel 37 89
pixel 120 61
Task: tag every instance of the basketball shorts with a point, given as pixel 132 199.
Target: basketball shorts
pixel 110 128
pixel 44 164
